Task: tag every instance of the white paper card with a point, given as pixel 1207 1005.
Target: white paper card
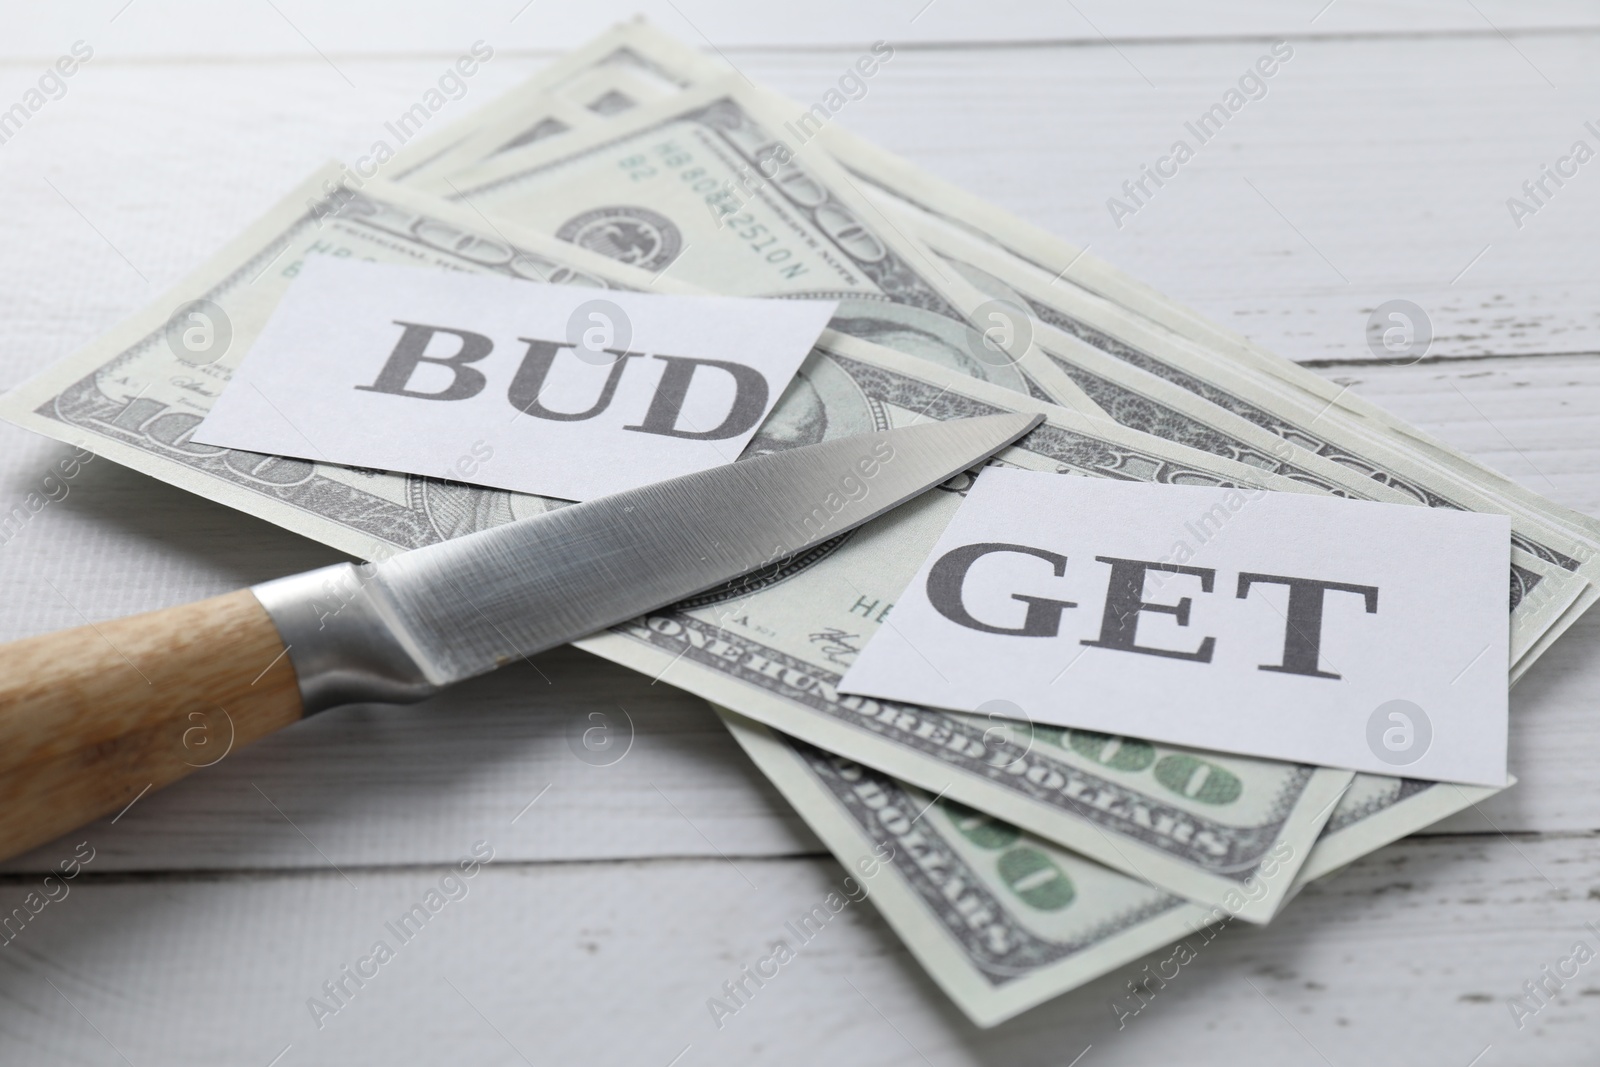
pixel 1344 633
pixel 551 389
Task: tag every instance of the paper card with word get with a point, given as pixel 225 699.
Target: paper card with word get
pixel 1345 633
pixel 558 390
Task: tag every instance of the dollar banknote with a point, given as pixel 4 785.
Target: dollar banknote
pixel 650 65
pixel 1196 824
pixel 137 393
pixel 1074 269
pixel 1001 919
pixel 1004 920
pixel 1409 454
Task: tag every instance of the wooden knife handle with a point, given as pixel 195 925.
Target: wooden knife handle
pixel 92 718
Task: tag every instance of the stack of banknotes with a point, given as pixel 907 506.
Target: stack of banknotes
pixel 1016 861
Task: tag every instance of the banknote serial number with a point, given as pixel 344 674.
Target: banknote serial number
pixel 669 157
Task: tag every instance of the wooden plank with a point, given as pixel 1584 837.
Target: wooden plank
pixel 1408 957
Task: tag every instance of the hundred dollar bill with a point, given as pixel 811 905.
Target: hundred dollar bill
pixel 142 389
pixel 709 187
pixel 1376 809
pixel 1074 267
pixel 1001 920
pixel 1094 321
pixel 773 646
pixel 661 65
pixel 1236 438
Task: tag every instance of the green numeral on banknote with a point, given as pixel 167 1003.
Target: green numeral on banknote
pixel 1195 778
pixel 1035 879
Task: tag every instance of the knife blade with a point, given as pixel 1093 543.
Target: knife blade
pixel 93 718
pixel 424 619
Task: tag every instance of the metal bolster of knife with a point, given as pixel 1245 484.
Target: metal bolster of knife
pixel 347 647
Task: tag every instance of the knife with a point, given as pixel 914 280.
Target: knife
pixel 94 717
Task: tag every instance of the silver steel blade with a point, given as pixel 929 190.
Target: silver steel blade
pixel 466 606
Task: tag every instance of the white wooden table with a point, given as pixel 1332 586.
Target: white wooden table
pixel 1377 167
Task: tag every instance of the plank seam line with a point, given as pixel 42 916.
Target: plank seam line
pixel 1426 361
